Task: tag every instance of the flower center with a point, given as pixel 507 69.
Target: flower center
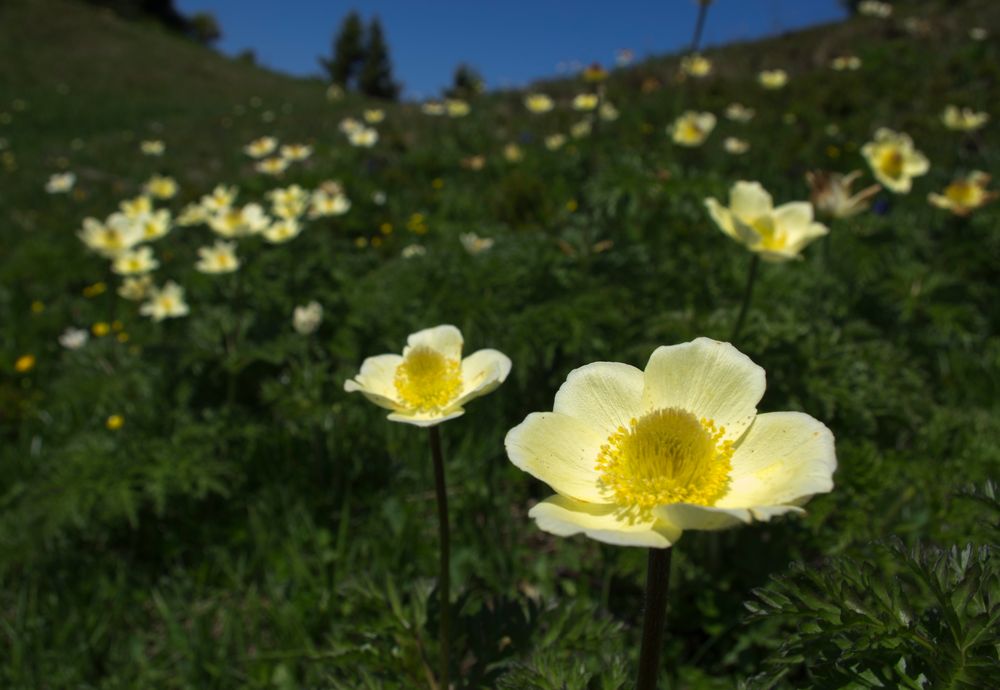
pixel 963 193
pixel 666 456
pixel 426 380
pixel 891 163
pixel 771 237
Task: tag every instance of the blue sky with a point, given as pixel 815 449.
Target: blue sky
pixel 510 42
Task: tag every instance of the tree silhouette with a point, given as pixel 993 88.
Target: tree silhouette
pixel 376 79
pixel 348 51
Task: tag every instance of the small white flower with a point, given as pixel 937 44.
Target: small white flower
pixel 74 338
pixel 306 319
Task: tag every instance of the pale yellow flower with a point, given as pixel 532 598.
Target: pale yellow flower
pixel 775 234
pixel 165 303
pixel 219 258
pixel 161 187
pixel 288 202
pixel 697 66
pixel 875 8
pixel 136 208
pixel 735 146
pixel 638 456
pixel 323 204
pixel 272 166
pixel 737 112
pixel 258 148
pixel 306 319
pixel 513 153
pixel 110 239
pixel 963 119
pixel 580 129
pixel 554 142
pixel 296 152
pixel 373 116
pixel 894 160
pixel 773 78
pixel 114 422
pixel 433 108
pixel 843 63
pixel 965 195
pixel 456 107
pixel 136 289
pixel 192 214
pixel 474 244
pixel 692 128
pixel 135 262
pixel 60 183
pixel 538 103
pixel 154 225
pixel 220 199
pixel 431 382
pixel 413 250
pixel 585 101
pixel 831 193
pixel 282 230
pixel 152 147
pixel 24 364
pixel 239 222
pixel 364 137
pixel 349 124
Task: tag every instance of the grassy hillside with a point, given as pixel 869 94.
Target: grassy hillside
pixel 244 522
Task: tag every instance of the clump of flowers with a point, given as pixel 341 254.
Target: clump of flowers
pixel 165 302
pixel 585 102
pixel 773 79
pixel 831 193
pixel 697 66
pixel 219 258
pixel 964 119
pixel 737 112
pixel 538 103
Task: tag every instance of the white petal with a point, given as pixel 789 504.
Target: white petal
pixel 445 339
pixel 565 517
pixel 749 201
pixel 561 451
pixel 482 372
pixel 604 395
pixel 688 516
pixel 376 381
pixel 793 216
pixel 784 458
pixel 707 378
pixel 722 217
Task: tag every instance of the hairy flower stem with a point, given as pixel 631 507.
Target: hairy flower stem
pixel 444 578
pixel 657 587
pixel 747 294
pixel 699 25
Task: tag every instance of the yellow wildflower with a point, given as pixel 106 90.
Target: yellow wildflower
pixel 964 195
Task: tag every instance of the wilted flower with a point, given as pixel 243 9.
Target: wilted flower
pixel 365 137
pixel 894 160
pixel 692 128
pixel 831 193
pixel 456 107
pixel 773 78
pixel 735 146
pixel 74 338
pixel 152 147
pixel 737 112
pixel 964 195
pixel 373 116
pixel 258 148
pixel 135 262
pixel 538 103
pixel 697 66
pixel 306 319
pixel 845 62
pixel 963 119
pixel 60 183
pixel 637 457
pixel 474 244
pixel 431 382
pixel 165 303
pixel 161 187
pixel 272 166
pixel 585 101
pixel 296 152
pixel 776 234
pixel 219 258
pixel 554 142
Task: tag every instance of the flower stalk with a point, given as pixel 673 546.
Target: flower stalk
pixel 657 588
pixel 444 578
pixel 747 294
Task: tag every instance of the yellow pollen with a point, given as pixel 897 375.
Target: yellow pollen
pixel 770 236
pixel 963 193
pixel 891 162
pixel 667 456
pixel 428 381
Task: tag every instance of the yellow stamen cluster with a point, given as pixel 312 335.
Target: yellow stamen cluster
pixel 890 162
pixel 428 381
pixel 667 456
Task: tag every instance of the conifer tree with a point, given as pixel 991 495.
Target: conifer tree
pixel 348 51
pixel 376 79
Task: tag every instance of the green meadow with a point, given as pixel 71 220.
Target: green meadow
pixel 197 503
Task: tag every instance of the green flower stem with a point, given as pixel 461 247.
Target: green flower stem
pixel 747 294
pixel 657 587
pixel 444 578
